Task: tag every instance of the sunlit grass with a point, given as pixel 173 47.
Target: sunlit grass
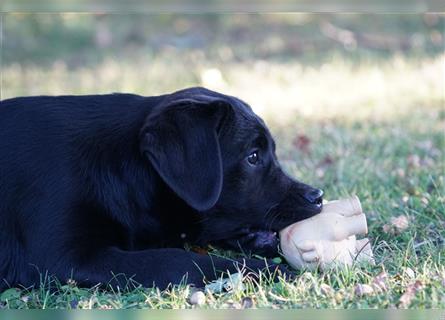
pixel 333 89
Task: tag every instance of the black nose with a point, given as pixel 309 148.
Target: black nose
pixel 314 196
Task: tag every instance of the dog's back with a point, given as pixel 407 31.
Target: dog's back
pixel 46 146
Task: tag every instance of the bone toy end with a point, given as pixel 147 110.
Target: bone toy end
pixel 328 238
pixel 347 207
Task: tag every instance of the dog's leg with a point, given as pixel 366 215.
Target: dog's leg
pixel 160 267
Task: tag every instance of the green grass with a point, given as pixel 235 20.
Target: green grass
pixel 374 126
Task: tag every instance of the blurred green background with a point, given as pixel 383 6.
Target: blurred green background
pixel 306 62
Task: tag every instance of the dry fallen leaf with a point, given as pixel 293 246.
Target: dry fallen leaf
pixel 326 289
pixel 323 165
pixel 326 161
pixel 427 162
pixel 425 145
pixel 409 272
pixel 363 290
pixel 302 142
pixel 400 172
pixel 319 172
pixel 379 283
pixel 410 293
pixel 413 161
pixel 199 250
pixel 230 304
pixel 397 225
pixel 339 296
pixel 400 222
pixel 442 276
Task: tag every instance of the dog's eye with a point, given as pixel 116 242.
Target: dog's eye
pixel 253 158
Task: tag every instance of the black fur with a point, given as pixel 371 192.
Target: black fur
pixel 97 185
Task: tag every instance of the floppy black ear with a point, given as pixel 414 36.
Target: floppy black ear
pixel 181 142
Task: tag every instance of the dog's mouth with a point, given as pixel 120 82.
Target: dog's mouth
pixel 262 237
pixel 318 203
pixel 258 241
pixel 261 241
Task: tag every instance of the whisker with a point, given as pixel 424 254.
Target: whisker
pixel 272 220
pixel 273 215
pixel 270 209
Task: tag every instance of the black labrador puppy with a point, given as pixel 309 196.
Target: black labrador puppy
pixel 92 186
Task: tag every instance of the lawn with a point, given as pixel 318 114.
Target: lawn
pixel 348 117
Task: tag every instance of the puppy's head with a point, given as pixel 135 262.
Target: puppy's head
pixel 219 157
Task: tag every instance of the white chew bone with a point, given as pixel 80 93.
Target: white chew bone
pixel 347 207
pixel 328 238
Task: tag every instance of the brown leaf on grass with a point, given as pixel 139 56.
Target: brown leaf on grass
pixel 199 250
pixel 400 172
pixel 441 278
pixel 326 161
pixel 413 161
pixel 230 304
pixel 425 201
pixel 339 296
pixel 400 222
pixel 397 225
pixel 326 289
pixel 323 165
pixel 427 162
pixel 361 290
pixel 409 272
pixel 302 142
pixel 410 293
pixel 319 172
pixel 425 145
pixel 379 283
